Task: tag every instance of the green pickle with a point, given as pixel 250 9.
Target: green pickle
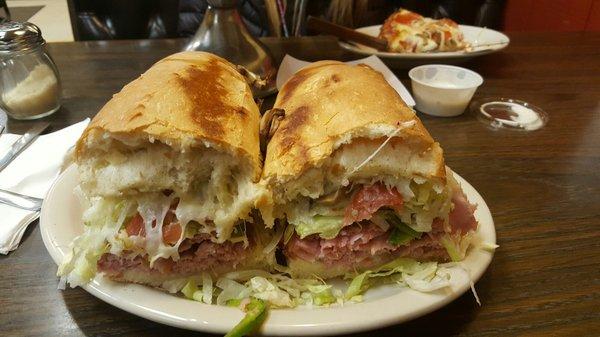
pixel 256 312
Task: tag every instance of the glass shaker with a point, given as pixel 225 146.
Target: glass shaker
pixel 29 82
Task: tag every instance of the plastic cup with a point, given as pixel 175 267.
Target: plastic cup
pixel 443 90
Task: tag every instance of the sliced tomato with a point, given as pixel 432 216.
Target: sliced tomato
pixel 405 17
pixel 136 226
pixel 447 35
pixel 171 228
pixel 448 22
pixel 369 199
pixel 402 17
pixel 171 233
pixel 169 218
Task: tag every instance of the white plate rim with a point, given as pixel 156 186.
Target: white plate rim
pixel 421 56
pixel 174 311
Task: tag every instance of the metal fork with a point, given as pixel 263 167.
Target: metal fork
pixel 20 200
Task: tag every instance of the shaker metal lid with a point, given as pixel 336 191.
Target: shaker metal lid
pixel 19 36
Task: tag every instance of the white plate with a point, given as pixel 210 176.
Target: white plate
pixel 489 40
pixel 385 305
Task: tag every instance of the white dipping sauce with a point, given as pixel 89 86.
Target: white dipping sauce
pixel 517 115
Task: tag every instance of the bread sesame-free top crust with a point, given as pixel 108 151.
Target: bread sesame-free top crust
pixel 329 101
pixel 184 99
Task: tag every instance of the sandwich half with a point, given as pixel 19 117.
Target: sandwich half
pixel 357 178
pixel 169 172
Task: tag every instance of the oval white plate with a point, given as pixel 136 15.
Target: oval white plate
pixel 60 222
pixel 489 40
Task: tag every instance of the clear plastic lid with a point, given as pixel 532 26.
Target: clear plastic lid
pixel 508 113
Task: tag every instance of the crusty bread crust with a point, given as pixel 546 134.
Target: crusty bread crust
pixel 329 104
pixel 184 100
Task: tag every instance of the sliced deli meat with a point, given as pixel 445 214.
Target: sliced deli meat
pixel 369 199
pixel 362 246
pixel 197 254
pixel 462 217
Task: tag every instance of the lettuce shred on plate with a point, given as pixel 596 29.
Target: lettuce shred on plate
pixel 254 291
pixel 282 291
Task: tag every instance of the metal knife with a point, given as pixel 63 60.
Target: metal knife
pixel 22 143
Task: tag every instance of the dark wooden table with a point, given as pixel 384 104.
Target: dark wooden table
pixel 542 187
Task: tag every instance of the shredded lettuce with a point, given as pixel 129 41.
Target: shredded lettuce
pixel 268 291
pixel 420 276
pixel 430 202
pixel 230 290
pixel 279 290
pixel 103 220
pixel 288 233
pixel 254 290
pixel 322 294
pixel 456 245
pixel 275 239
pixel 207 288
pixel 327 227
pixel 192 290
pixel 357 285
pixel 428 279
pixel 399 265
pixel 451 248
pixel 238 234
pixel 189 289
pixel 488 246
pixel 467 271
pixel 282 291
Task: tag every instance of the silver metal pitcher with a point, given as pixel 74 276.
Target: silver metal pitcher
pixel 223 33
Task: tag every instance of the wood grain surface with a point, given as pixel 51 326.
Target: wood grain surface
pixel 542 187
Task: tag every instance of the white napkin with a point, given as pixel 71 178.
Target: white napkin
pixel 290 65
pixel 31 173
